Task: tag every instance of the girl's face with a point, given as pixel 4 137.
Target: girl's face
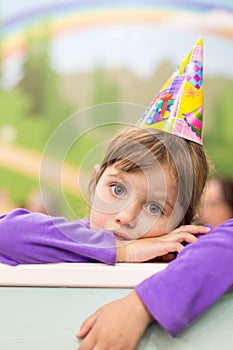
pixel 134 204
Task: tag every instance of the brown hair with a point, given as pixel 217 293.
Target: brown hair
pixel 135 148
pixel 227 187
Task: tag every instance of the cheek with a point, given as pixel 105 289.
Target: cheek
pixel 225 212
pixel 155 230
pixel 97 219
pixel 149 227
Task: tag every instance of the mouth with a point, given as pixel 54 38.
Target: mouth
pixel 120 235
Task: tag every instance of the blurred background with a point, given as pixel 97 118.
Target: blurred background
pixel 60 57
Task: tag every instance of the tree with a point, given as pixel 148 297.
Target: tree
pixel 40 81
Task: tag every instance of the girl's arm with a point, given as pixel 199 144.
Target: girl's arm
pixel 190 284
pixel 174 297
pixel 33 238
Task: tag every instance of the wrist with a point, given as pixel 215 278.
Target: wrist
pixel 139 308
pixel 120 251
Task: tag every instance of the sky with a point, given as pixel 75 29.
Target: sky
pixel 137 46
pixel 11 7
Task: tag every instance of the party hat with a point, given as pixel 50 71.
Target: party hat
pixel 178 107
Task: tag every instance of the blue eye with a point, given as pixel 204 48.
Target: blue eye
pixel 153 208
pixel 118 190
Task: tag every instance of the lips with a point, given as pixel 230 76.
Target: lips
pixel 120 235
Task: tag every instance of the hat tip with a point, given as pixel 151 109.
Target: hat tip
pixel 177 108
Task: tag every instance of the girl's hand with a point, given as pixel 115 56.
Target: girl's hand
pixel 118 325
pixel 145 249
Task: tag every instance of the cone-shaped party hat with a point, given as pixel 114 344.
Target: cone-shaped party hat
pixel 178 107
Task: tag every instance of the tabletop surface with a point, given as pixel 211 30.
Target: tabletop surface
pixel 122 275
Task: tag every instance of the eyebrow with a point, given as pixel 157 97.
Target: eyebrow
pixel 116 174
pixel 169 203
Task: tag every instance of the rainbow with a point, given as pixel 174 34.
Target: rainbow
pixel 66 16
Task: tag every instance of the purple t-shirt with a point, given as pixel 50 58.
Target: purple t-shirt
pixel 201 273
pixel 35 238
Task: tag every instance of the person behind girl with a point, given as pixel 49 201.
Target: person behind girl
pixel 217 201
pixel 201 273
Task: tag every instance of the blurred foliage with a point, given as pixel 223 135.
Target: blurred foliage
pixel 21 186
pixel 40 82
pixel 218 139
pixel 104 89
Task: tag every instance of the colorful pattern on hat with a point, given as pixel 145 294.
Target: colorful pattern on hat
pixel 178 107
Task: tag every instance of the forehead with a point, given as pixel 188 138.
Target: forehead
pixel 158 178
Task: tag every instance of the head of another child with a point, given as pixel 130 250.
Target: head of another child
pixel 149 183
pixel 217 201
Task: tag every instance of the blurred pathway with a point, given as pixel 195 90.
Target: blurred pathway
pixel 28 162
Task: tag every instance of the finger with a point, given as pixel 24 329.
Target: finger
pixel 195 229
pixel 179 237
pixel 177 248
pixel 203 229
pixel 88 343
pixel 187 237
pixel 87 326
pixel 168 247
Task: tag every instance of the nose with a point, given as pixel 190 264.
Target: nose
pixel 127 217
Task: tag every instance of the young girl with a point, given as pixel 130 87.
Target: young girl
pixel 202 272
pixel 135 194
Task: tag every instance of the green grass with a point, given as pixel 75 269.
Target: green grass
pixel 17 185
pixel 21 187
